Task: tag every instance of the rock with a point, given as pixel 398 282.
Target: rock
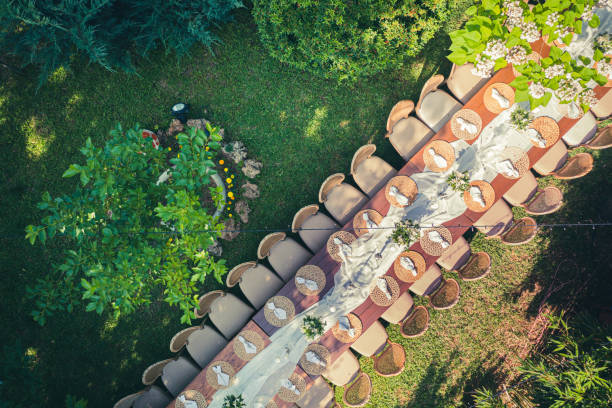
pixel 215 249
pixel 197 123
pixel 175 127
pixel 243 210
pixel 235 151
pixel 251 168
pixel 250 190
pixel 229 230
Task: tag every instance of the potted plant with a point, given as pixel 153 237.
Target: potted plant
pixel 312 327
pixel 458 181
pixel 405 233
pixel 521 119
pixel 234 401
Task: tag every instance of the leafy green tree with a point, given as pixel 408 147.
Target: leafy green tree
pixel 347 39
pixel 48 33
pixel 129 236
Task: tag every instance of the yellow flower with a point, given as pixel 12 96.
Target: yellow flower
pixel 221 162
pixel 207 148
pixel 179 156
pixel 228 180
pixel 230 195
pixel 169 149
pixel 230 215
pixel 233 176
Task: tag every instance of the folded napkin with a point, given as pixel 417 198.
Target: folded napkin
pixel 310 284
pixel 343 246
pixel 402 199
pixel 438 159
pixel 278 312
pixel 477 195
pixel 467 126
pixel 248 346
pixel 507 167
pixel 187 403
pixel 434 236
pixel 536 137
pixel 222 378
pixel 314 358
pixel 382 285
pixel 407 263
pixel 290 386
pixel 345 325
pixel 501 99
pixel 369 223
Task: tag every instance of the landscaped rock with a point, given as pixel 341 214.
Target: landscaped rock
pixel 230 228
pixel 235 151
pixel 175 127
pixel 251 168
pixel 197 123
pixel 243 210
pixel 215 249
pixel 250 190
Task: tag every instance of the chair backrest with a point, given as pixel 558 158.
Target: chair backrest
pixel 603 140
pixel 178 373
pixel 127 401
pixel 233 277
pixel 576 166
pixel 268 242
pixel 431 85
pixel 521 232
pixel 206 301
pixel 180 339
pixel 203 345
pixel 401 110
pixel 153 396
pixel 362 154
pixel 152 372
pixel 329 183
pixel 302 215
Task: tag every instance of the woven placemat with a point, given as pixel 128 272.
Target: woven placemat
pixel 433 248
pixel 359 224
pixel 379 298
pixel 519 160
pixel 333 249
pixel 505 90
pixel 548 128
pixel 442 148
pixel 342 335
pixel 406 186
pixel 313 273
pixel 312 368
pixel 289 396
pixel 191 395
pixel 404 274
pixel 284 303
pixel 211 376
pixel 488 196
pixel 469 116
pixel 252 337
pixel 271 404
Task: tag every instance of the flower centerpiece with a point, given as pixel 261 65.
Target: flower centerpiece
pixel 520 118
pixel 458 181
pixel 312 327
pixel 234 401
pixel 405 233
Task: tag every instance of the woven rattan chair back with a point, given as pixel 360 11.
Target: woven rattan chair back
pixel 263 250
pixel 363 153
pixel 180 339
pixel 400 111
pixel 152 372
pixel 206 301
pixel 602 140
pixel 329 183
pixel 302 215
pixel 233 277
pixel 128 400
pixel 576 166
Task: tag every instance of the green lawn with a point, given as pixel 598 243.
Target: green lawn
pixel 302 128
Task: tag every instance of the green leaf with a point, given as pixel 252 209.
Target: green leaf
pixel 84 178
pixel 521 95
pixel 598 55
pixel 471 10
pixel 500 63
pixel 73 170
pixel 578 27
pixel 594 22
pixel 458 58
pixel 600 79
pixel 520 83
pixel 31 234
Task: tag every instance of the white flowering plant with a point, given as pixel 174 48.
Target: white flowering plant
pixel 560 19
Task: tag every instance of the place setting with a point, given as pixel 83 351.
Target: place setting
pixel 366 221
pixel 220 374
pixel 513 163
pixel 401 191
pixel 385 291
pixel 480 196
pixel 190 399
pixel 348 328
pixel 339 242
pixel 439 156
pixel 498 97
pixel 466 124
pixel 279 311
pixel 436 240
pixel 409 266
pixel 543 132
pixel 292 388
pixel 248 344
pixel 315 359
pixel 310 280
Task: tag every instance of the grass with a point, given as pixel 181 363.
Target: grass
pixel 303 129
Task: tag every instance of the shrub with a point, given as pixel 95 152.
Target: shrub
pixel 345 40
pixel 48 33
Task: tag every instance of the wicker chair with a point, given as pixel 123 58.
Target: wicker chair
pixel 523 190
pixel 456 255
pixel 180 339
pixel 128 401
pixel 462 83
pixel 495 220
pixel 552 160
pixel 436 107
pixel 520 232
pixel 178 373
pixel 153 397
pixel 477 267
pixel 427 283
pixel 399 111
pixel 408 136
pixel 153 372
pixel 371 341
pixel 313 227
pixel 416 324
pixel 284 254
pixel 582 131
pixel 341 200
pixel 343 370
pixel 204 344
pixel 576 166
pixel 257 282
pixel 399 309
pixel 319 395
pixel 370 172
pixel 602 140
pixel 228 313
pixel 391 361
pixel 446 296
pixel 362 386
pixel 603 109
pixel 545 201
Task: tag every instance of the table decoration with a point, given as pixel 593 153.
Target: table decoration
pixel 366 221
pixel 466 124
pixel 310 280
pixel 487 196
pixel 401 191
pixel 339 241
pixel 435 241
pixel 279 311
pixel 247 344
pixel 409 266
pixel 439 156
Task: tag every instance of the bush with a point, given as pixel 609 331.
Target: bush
pixel 345 40
pixel 48 33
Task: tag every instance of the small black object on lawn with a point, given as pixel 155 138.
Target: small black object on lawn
pixel 180 111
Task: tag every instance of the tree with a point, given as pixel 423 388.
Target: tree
pixel 128 235
pixel 48 33
pixel 347 39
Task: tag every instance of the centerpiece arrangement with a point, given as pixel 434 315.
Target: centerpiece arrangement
pixel 312 327
pixel 406 233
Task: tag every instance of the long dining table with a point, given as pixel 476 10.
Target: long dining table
pixel 368 312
